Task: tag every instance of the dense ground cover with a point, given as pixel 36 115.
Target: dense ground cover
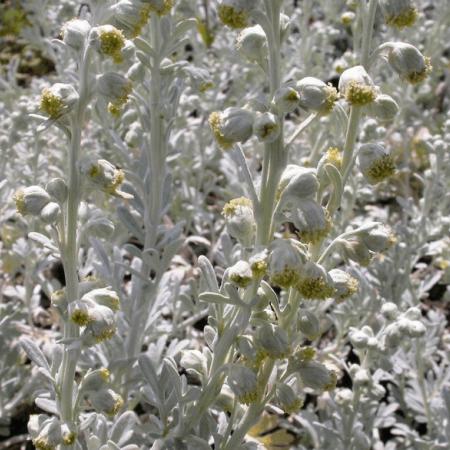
pixel 224 224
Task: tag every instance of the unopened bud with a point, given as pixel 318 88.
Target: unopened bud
pixel 50 213
pixel 344 397
pixel 297 182
pixel 378 239
pixel 389 310
pixel 413 313
pixel 57 188
pixel 359 339
pixel 309 325
pixel 266 127
pixel 252 43
pixel 393 335
pixel 362 378
pixel 416 329
pixel 355 250
pixel 383 108
pixel 74 33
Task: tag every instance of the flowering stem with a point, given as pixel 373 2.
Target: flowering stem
pixel 69 248
pixel 350 141
pixel 275 157
pixel 254 411
pixel 355 111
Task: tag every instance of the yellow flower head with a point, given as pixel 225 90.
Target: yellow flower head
pixel 305 354
pixel 233 17
pixel 331 98
pixel 259 268
pixel 248 398
pixel 80 317
pixel 415 77
pixel 315 288
pixel 381 169
pixel 118 403
pixel 69 438
pixel 403 19
pixel 215 122
pixel 334 157
pixel 112 41
pixel 51 104
pixel 360 94
pixel 230 208
pixel 43 444
pixel 104 335
pixel 315 283
pixel 162 8
pixel 105 374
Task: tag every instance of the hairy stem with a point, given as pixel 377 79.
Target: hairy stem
pixel 156 169
pixel 69 248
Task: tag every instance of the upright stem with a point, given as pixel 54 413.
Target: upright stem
pixel 355 111
pixel 70 271
pixel 274 153
pixel 156 160
pixel 254 411
pixel 275 157
pixel 69 248
pixel 350 141
pixel 156 152
pixel 369 23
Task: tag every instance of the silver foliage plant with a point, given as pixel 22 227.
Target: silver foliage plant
pixel 238 214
